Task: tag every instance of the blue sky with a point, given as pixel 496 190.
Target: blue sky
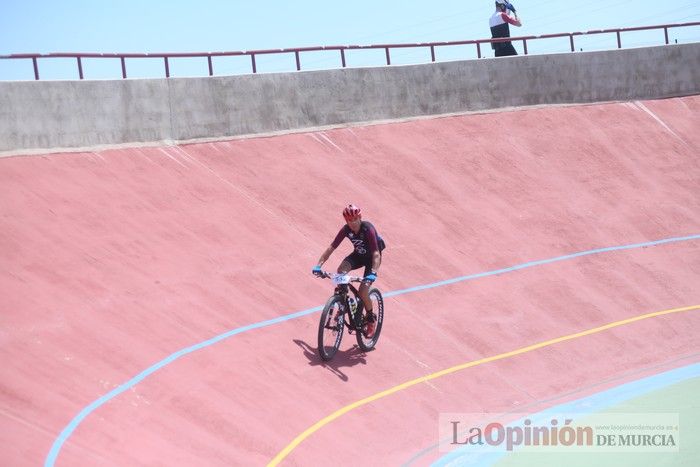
pixel 33 26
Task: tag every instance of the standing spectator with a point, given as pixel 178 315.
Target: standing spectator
pixel 499 22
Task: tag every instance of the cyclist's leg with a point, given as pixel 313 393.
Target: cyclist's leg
pixel 350 262
pixel 344 267
pixel 369 315
pixel 365 286
pixel 364 295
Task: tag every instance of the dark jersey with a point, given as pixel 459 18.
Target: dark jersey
pixel 366 241
pixel 499 29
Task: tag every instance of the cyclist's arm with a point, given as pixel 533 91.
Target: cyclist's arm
pixel 376 261
pixel 374 248
pixel 326 254
pixel 338 238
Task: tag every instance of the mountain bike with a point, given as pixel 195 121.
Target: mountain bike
pixel 345 308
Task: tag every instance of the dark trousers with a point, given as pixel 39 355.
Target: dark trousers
pixel 504 49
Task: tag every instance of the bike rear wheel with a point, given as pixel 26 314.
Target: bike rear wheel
pixel 365 342
pixel 330 327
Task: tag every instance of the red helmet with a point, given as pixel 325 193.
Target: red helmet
pixel 352 213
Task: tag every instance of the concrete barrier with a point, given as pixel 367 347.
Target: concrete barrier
pixel 67 114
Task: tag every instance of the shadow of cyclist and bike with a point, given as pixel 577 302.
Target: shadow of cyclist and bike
pixel 342 359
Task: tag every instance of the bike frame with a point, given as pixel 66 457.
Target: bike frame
pixel 354 321
pixel 342 291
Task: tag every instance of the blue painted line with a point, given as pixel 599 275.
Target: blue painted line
pixel 70 428
pixel 541 262
pixel 588 405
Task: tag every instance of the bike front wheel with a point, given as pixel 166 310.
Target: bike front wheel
pixel 330 327
pixel 364 341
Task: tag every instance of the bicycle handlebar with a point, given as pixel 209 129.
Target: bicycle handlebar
pixel 333 275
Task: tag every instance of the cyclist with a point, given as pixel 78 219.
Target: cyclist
pixel 368 246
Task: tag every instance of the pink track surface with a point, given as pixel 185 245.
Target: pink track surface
pixel 114 260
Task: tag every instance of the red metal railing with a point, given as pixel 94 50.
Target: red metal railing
pixel 341 48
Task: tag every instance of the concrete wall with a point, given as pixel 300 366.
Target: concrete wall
pixel 64 114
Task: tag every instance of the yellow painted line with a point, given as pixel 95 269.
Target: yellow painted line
pixel 342 411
